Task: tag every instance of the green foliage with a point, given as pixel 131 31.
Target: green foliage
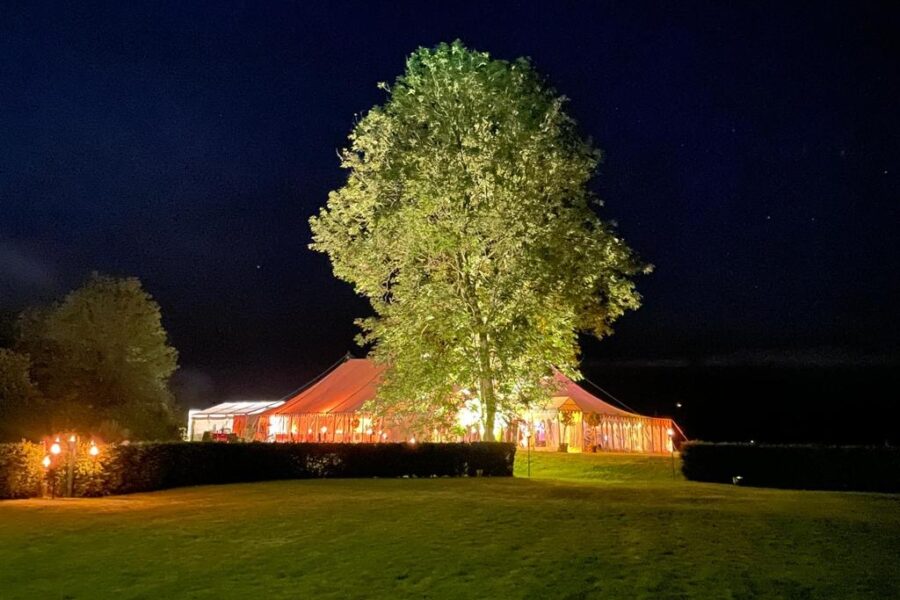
pixel 593 419
pixel 467 222
pixel 91 473
pixel 20 407
pixel 566 418
pixel 102 361
pixel 21 471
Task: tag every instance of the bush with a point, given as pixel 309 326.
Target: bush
pixel 859 468
pixel 151 466
pixel 21 471
pixel 89 475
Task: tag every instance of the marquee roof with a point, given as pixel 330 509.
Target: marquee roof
pixel 345 389
pixel 233 409
pixel 354 382
pixel 570 393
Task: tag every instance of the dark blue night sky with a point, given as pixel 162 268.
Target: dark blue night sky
pixel 752 156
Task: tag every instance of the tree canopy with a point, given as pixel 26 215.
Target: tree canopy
pixel 467 222
pixel 102 360
pixel 19 397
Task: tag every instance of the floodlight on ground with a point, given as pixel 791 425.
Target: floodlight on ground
pixel 94 450
pixel 46 461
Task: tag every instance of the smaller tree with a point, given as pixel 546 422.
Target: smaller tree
pixel 20 411
pixel 591 439
pixel 102 360
pixel 565 420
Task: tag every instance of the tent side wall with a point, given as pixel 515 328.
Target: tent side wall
pixel 200 424
pixel 338 427
pixel 586 433
pixel 629 434
pixel 598 433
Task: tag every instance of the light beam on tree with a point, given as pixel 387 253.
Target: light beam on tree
pixel 467 222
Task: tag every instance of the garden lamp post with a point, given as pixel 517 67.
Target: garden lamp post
pixel 46 463
pixel 51 462
pixel 70 464
pixel 671 433
pixel 527 434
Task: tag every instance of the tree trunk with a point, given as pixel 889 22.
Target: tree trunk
pixel 486 385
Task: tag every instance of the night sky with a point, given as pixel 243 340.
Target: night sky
pixel 752 157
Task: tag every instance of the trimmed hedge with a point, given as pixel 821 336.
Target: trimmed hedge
pixel 857 468
pixel 143 467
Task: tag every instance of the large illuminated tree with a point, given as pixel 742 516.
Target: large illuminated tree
pixel 467 222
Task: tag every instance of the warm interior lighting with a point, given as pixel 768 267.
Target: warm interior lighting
pixel 324 429
pixel 670 431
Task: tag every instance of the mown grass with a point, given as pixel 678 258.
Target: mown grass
pixel 599 468
pixel 603 526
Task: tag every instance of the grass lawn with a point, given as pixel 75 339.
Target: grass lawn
pixel 584 526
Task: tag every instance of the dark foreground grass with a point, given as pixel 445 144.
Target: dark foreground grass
pixel 612 533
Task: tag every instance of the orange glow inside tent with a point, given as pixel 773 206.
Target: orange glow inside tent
pixel 333 409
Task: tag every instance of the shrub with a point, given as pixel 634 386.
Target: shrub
pixel 859 468
pixel 151 466
pixel 89 475
pixel 21 471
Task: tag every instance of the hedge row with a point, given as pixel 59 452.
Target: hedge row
pixel 145 467
pixel 859 468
